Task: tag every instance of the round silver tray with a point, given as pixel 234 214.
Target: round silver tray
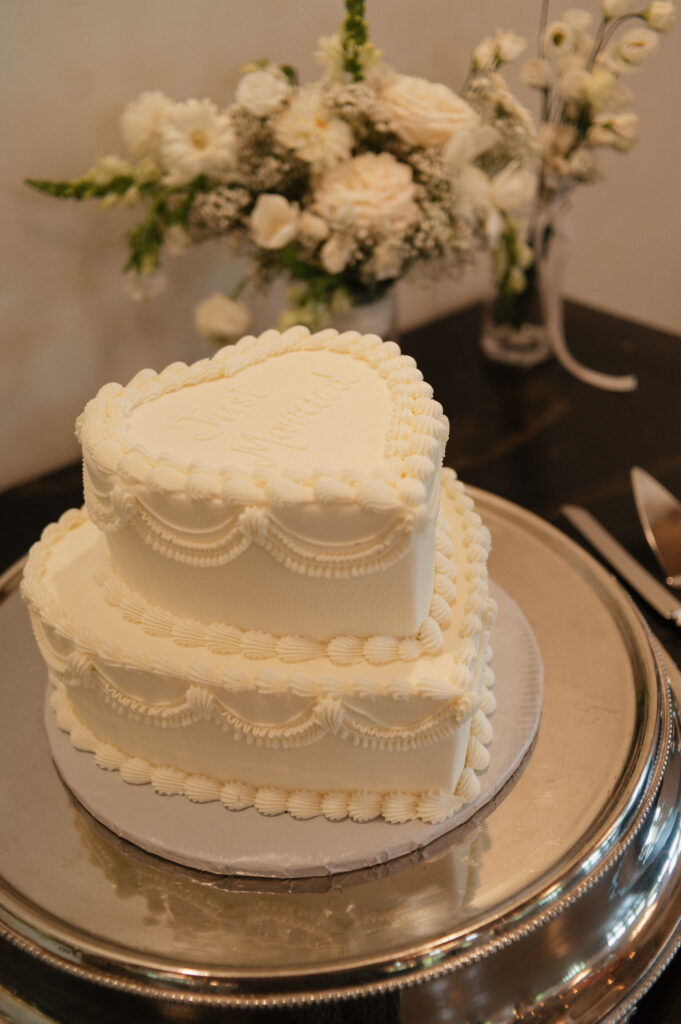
pixel 560 895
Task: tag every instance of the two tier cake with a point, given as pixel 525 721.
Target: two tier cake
pixel 275 595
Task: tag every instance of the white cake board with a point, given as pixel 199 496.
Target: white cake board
pixel 211 838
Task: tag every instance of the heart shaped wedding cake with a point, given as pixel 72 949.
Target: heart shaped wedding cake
pixel 274 596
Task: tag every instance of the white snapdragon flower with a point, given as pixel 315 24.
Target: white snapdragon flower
pixel 196 139
pixel 537 73
pixel 499 49
pixel 107 168
pixel 661 16
pixel 219 318
pixel 262 92
pixel 618 8
pixel 336 253
pixel 370 189
pixel 424 113
pixel 312 132
pixel 274 221
pixel 141 122
pixel 558 39
pixel 616 130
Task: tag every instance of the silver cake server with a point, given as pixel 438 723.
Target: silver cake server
pixel 660 515
pixel 627 567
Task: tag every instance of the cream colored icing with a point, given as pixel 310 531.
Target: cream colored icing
pixel 222 710
pixel 234 489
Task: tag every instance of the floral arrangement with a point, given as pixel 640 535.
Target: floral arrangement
pixel 344 185
pixel 579 71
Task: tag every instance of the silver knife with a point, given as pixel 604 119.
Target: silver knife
pixel 660 515
pixel 627 567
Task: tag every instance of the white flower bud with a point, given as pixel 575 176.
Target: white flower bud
pixel 661 16
pixel 220 317
pixel 616 8
pixel 537 74
pixel 273 221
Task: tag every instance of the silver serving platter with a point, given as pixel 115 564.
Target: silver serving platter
pixel 557 900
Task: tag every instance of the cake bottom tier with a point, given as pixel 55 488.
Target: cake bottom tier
pixel 401 740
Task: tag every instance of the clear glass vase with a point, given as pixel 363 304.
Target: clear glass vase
pixel 516 328
pixel 376 317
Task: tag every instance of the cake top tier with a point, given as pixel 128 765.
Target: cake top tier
pixel 283 419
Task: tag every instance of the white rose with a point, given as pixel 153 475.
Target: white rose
pixel 424 113
pixel 335 253
pixel 634 46
pixel 261 92
pixel 558 39
pixel 312 226
pixel 141 121
pixel 537 74
pixel 616 8
pixel 220 317
pixel 661 16
pixel 368 189
pixel 312 132
pixel 274 221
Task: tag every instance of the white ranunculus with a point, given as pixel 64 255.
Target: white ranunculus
pixel 312 132
pixel 336 253
pixel 141 121
pixel 661 15
pixel 220 317
pixel 107 168
pixel 616 8
pixel 537 73
pixel 196 139
pixel 636 45
pixel 274 221
pixel 370 189
pixel 558 39
pixel 424 113
pixel 261 92
pixel 312 226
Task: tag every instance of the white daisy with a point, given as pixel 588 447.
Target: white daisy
pixel 313 134
pixel 196 139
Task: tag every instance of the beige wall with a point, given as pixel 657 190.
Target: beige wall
pixel 67 70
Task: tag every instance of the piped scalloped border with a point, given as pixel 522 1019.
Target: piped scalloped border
pixel 431 806
pixel 414 445
pixel 479 613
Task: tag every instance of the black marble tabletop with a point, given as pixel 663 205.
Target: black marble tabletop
pixel 539 438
